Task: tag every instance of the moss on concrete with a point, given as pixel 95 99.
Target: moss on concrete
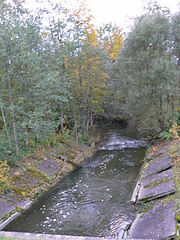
pixel 178 216
pixel 37 172
pixel 156 183
pixel 153 153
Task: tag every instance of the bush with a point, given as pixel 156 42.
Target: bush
pixel 165 135
pixel 5 181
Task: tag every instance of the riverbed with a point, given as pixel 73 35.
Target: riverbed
pixel 95 199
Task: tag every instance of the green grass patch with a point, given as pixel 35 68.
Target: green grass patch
pixel 7 238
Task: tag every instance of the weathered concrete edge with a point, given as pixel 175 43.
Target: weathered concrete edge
pixel 138 184
pixel 28 204
pixel 136 191
pixel 134 198
pixel 23 206
pixel 155 197
pixel 153 211
pixel 33 236
pixel 10 219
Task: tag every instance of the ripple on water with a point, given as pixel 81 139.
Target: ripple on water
pixel 95 199
pixel 117 142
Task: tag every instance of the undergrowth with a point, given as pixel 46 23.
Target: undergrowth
pixel 5 180
pixel 8 154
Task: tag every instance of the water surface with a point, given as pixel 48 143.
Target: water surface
pixel 93 200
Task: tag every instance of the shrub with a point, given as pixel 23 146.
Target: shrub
pixel 5 181
pixel 165 135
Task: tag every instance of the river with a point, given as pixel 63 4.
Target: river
pixel 95 199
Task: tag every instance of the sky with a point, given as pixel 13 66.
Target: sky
pixel 119 12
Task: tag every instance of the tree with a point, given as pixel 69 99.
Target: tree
pixel 110 39
pixel 175 28
pixel 147 74
pixel 176 36
pixel 86 69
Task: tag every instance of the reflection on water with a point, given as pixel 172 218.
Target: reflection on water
pixel 94 200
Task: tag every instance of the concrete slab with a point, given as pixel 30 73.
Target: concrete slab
pixel 49 166
pixel 3 224
pixel 156 155
pixel 161 151
pixel 33 236
pixel 159 189
pixel 136 191
pixel 23 205
pixel 158 177
pixel 157 223
pixel 157 166
pixel 5 208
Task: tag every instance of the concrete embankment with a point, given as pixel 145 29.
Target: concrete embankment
pixel 35 175
pixel 157 194
pixel 33 236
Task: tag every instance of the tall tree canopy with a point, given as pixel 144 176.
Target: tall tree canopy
pixel 146 73
pixel 57 69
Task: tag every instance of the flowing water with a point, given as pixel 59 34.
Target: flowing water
pixel 95 199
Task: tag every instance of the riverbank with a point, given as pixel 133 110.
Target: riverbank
pixel 157 193
pixel 87 201
pixel 35 174
pixel 164 155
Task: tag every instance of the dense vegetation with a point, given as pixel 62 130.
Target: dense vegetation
pixel 147 74
pixel 57 70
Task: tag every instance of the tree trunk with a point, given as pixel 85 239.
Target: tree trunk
pixel 91 117
pixel 62 116
pixel 23 106
pixel 91 107
pixel 13 117
pixel 86 100
pixel 5 126
pixel 75 120
pixel 62 104
pixel 81 98
pixel 37 127
pixel 26 137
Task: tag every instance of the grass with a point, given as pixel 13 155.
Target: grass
pixel 6 238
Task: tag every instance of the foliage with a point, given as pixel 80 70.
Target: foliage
pixel 50 76
pixel 5 181
pixel 175 35
pixel 110 38
pixel 172 133
pixel 66 72
pixel 84 138
pixel 165 135
pixel 174 130
pixel 64 135
pixel 146 76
